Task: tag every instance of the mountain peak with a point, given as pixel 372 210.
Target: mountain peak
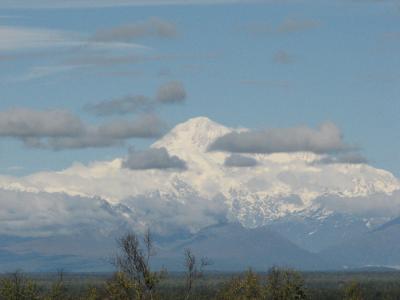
pixel 198 123
pixel 198 132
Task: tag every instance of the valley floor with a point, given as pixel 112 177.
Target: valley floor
pixel 318 285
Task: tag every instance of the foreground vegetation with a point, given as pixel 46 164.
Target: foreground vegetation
pixel 134 279
pixel 317 285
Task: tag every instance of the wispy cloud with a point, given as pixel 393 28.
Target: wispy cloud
pixel 40 4
pixel 291 25
pixel 267 83
pixel 23 38
pixel 75 50
pixel 30 38
pixel 96 60
pixel 121 106
pixel 153 27
pixel 42 71
pixel 287 26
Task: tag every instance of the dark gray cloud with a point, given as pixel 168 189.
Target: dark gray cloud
pixel 89 139
pixel 58 129
pixel 326 139
pixel 121 106
pixel 237 160
pixel 153 27
pixel 25 122
pixel 157 158
pixel 282 57
pixel 346 158
pixel 148 126
pixel 171 92
pixel 104 59
pixel 110 134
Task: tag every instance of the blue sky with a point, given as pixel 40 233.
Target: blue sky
pixel 259 65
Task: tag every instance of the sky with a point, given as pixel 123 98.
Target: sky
pixel 86 80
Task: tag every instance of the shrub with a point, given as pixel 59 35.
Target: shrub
pixel 17 287
pixel 353 291
pixel 284 284
pixel 247 287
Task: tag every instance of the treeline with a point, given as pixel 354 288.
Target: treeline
pixel 248 285
pixel 134 279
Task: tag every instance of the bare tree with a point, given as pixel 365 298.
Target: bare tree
pixel 194 270
pixel 133 260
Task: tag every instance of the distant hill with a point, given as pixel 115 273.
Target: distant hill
pixel 34 262
pixel 379 247
pixel 233 247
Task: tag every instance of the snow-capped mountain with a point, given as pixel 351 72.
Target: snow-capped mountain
pixel 279 185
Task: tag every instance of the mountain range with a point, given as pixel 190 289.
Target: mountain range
pixel 302 209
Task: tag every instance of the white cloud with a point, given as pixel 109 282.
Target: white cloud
pixel 166 217
pixel 346 158
pixel 47 214
pixel 31 214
